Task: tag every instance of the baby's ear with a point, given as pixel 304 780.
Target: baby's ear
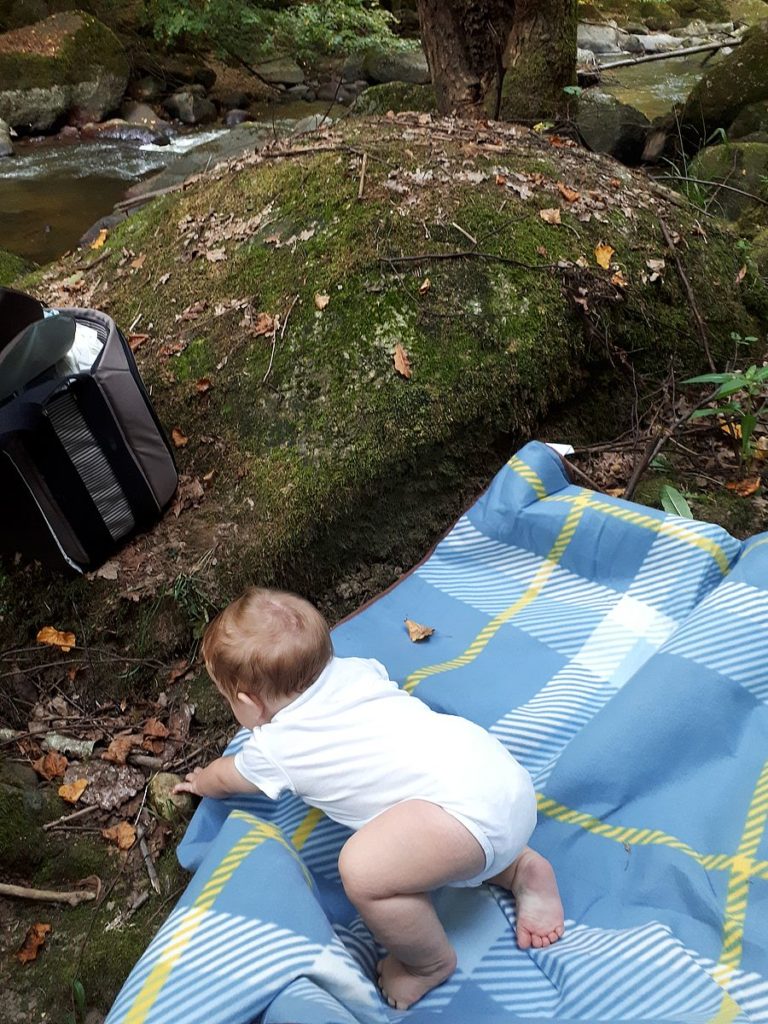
pixel 247 698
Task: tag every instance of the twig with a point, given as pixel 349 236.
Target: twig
pixel 583 476
pixel 69 817
pixel 701 327
pixel 285 322
pixel 274 338
pixel 463 232
pixel 47 895
pixel 361 186
pixel 685 52
pixel 154 881
pixel 715 184
pixel 465 254
pixel 85 267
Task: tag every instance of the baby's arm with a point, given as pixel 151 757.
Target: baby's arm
pixel 218 779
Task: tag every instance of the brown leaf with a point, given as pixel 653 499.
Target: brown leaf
pixel 263 324
pixel 207 477
pixel 551 216
pixel 56 638
pixel 425 285
pixel 569 194
pixel 402 362
pixel 744 487
pixel 603 254
pixel 51 766
pixel 123 835
pixel 216 255
pixel 321 301
pixel 135 341
pixel 619 280
pixel 178 438
pixel 108 571
pixel 72 791
pixel 119 749
pixel 741 275
pixel 203 385
pixel 33 942
pixel 138 263
pixel 100 239
pixel 500 179
pixel 417 632
pixel 193 311
pixel 154 727
pixel 178 670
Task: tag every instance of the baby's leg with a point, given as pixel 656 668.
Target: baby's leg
pixel 388 868
pixel 538 909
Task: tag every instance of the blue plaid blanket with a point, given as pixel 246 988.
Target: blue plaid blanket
pixel 622 655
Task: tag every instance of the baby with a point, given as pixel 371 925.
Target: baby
pixel 433 799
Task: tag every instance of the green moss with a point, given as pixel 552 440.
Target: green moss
pixel 11 267
pixel 745 162
pixel 378 99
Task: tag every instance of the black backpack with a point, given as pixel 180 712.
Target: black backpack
pixel 84 461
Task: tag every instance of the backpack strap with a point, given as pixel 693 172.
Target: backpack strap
pixel 17 311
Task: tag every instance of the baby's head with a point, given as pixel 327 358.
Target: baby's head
pixel 265 649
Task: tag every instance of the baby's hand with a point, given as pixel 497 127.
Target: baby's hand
pixel 190 783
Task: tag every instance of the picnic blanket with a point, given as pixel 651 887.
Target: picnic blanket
pixel 621 654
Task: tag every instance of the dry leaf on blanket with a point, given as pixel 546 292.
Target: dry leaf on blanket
pixel 418 632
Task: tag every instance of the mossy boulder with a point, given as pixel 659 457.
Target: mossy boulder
pixel 747 12
pixel 11 267
pixel 743 165
pixel 730 85
pixel 750 120
pixel 274 301
pixel 70 64
pixel 397 96
pixel 609 126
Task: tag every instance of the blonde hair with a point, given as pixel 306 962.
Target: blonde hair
pixel 267 642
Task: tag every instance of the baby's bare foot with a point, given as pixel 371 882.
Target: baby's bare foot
pixel 402 986
pixel 539 911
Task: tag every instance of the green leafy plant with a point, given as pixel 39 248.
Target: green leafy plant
pixel 573 90
pixel 77 1016
pixel 673 501
pixel 741 398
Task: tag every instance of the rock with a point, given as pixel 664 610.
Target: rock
pixel 597 38
pixel 737 81
pixel 659 42
pixel 586 58
pixel 748 12
pixel 173 71
pixel 143 114
pixel 18 776
pixel 168 805
pixel 353 68
pixel 146 89
pixel 117 128
pixel 693 28
pixel 6 146
pixel 298 92
pixel 396 66
pixel 744 164
pixel 378 99
pixel 750 119
pixel 355 88
pixel 630 43
pixel 190 108
pixel 331 92
pixel 231 99
pixel 109 785
pixel 609 126
pixel 236 117
pixel 110 221
pixel 282 71
pixel 311 124
pixel 68 64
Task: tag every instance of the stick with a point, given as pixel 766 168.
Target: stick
pixel 583 476
pixel 69 817
pixel 702 48
pixel 47 895
pixel 94 263
pixel 701 327
pixel 154 881
pixel 465 233
pixel 716 184
pixel 361 186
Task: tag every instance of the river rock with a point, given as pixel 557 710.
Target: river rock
pixel 742 163
pixel 146 89
pixel 396 66
pixel 236 117
pixel 117 128
pixel 748 12
pixel 598 38
pixel 281 71
pixel 659 42
pixel 189 107
pixel 608 126
pixel 168 805
pixel 6 146
pixel 378 99
pixel 630 43
pixel 737 81
pixel 178 70
pixel 750 119
pixel 143 114
pixel 67 65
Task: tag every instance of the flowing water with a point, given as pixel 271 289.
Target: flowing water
pixel 656 86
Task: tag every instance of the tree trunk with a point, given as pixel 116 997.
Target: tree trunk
pixel 474 45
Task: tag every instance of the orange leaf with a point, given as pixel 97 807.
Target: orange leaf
pixel 123 834
pixel 264 324
pixel 500 179
pixel 417 632
pixel 203 385
pixel 135 341
pixel 72 791
pixel 569 194
pixel 321 301
pixel 51 766
pixel 100 239
pixel 178 438
pixel 402 362
pixel 744 487
pixel 33 941
pixel 56 638
pixel 138 263
pixel 119 749
pixel 551 216
pixel 619 280
pixel 154 727
pixel 603 253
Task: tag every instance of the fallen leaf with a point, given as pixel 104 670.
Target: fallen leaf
pixel 216 255
pixel 744 487
pixel 100 239
pixel 615 492
pixel 500 179
pixel 138 263
pixel 119 748
pixel 178 670
pixel 123 835
pixel 164 279
pixel 551 216
pixel 732 430
pixel 425 285
pixel 33 941
pixel 203 385
pixel 417 632
pixel 619 280
pixel 51 766
pixel 402 362
pixel 193 311
pixel 761 448
pixel 154 727
pixel 108 571
pixel 263 324
pixel 741 275
pixel 656 266
pixel 569 194
pixel 56 638
pixel 135 341
pixel 603 254
pixel 178 438
pixel 72 791
pixel 321 301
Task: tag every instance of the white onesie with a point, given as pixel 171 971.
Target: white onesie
pixel 354 744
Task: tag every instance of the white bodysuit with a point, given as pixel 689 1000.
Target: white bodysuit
pixel 354 744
